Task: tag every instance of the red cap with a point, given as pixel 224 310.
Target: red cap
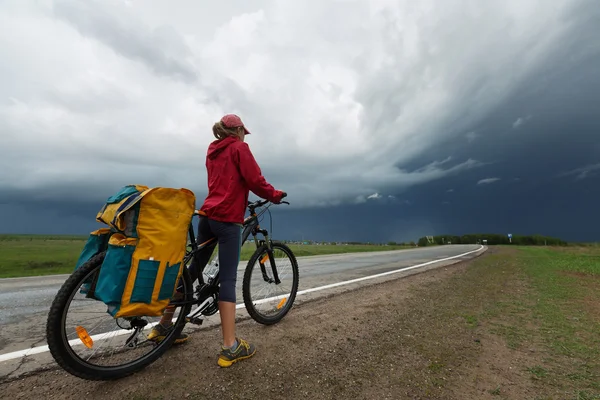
pixel 233 121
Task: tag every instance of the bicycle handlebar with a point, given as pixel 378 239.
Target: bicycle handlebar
pixel 260 203
pixel 251 205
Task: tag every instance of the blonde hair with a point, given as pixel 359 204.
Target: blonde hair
pixel 221 131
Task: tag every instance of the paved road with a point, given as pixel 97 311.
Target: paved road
pixel 24 302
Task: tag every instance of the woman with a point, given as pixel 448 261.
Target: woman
pixel 232 173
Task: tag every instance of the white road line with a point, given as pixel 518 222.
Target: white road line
pixel 364 278
pixel 42 349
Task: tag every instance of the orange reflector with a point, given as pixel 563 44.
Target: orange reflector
pixel 281 303
pixel 264 259
pixel 84 337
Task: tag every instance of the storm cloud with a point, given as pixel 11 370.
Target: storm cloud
pixel 411 113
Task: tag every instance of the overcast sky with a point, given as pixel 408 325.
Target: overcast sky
pixel 416 117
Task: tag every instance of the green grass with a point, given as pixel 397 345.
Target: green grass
pixel 471 320
pixel 537 371
pixel 567 286
pixel 35 255
pixel 38 255
pixel 496 391
pixel 542 303
pixel 563 303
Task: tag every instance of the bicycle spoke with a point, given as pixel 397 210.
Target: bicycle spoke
pixel 107 353
pixel 269 302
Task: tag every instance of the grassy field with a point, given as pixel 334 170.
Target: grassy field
pixel 30 255
pixel 534 314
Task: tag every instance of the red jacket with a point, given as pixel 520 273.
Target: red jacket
pixel 232 173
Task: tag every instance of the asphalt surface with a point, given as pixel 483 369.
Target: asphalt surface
pixel 24 302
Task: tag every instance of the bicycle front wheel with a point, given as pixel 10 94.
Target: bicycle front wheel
pixel 266 298
pixel 89 343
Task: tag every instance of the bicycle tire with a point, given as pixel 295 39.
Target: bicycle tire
pixel 254 313
pixel 58 344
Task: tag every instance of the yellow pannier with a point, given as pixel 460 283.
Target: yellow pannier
pixel 144 255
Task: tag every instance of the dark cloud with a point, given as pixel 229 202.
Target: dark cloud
pixel 424 127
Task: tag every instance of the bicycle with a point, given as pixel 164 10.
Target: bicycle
pixel 205 296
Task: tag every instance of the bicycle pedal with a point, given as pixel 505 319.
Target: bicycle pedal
pixel 195 321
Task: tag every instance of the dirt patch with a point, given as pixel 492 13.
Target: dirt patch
pixel 579 250
pixel 592 306
pixel 592 283
pixel 587 276
pixel 440 334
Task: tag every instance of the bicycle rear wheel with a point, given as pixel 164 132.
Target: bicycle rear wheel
pixel 89 343
pixel 266 301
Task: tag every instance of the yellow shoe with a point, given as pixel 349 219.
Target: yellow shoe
pixel 159 332
pixel 228 357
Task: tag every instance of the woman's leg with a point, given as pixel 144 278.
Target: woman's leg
pixel 203 256
pixel 229 236
pixel 227 313
pixel 229 257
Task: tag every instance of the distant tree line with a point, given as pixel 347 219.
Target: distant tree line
pixel 494 239
pixel 31 237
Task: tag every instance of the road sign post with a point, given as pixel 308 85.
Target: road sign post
pixel 510 237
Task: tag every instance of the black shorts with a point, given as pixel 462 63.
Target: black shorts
pixel 229 239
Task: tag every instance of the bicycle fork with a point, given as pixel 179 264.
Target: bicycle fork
pixel 269 256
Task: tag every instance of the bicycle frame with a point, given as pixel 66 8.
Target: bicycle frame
pixel 252 227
